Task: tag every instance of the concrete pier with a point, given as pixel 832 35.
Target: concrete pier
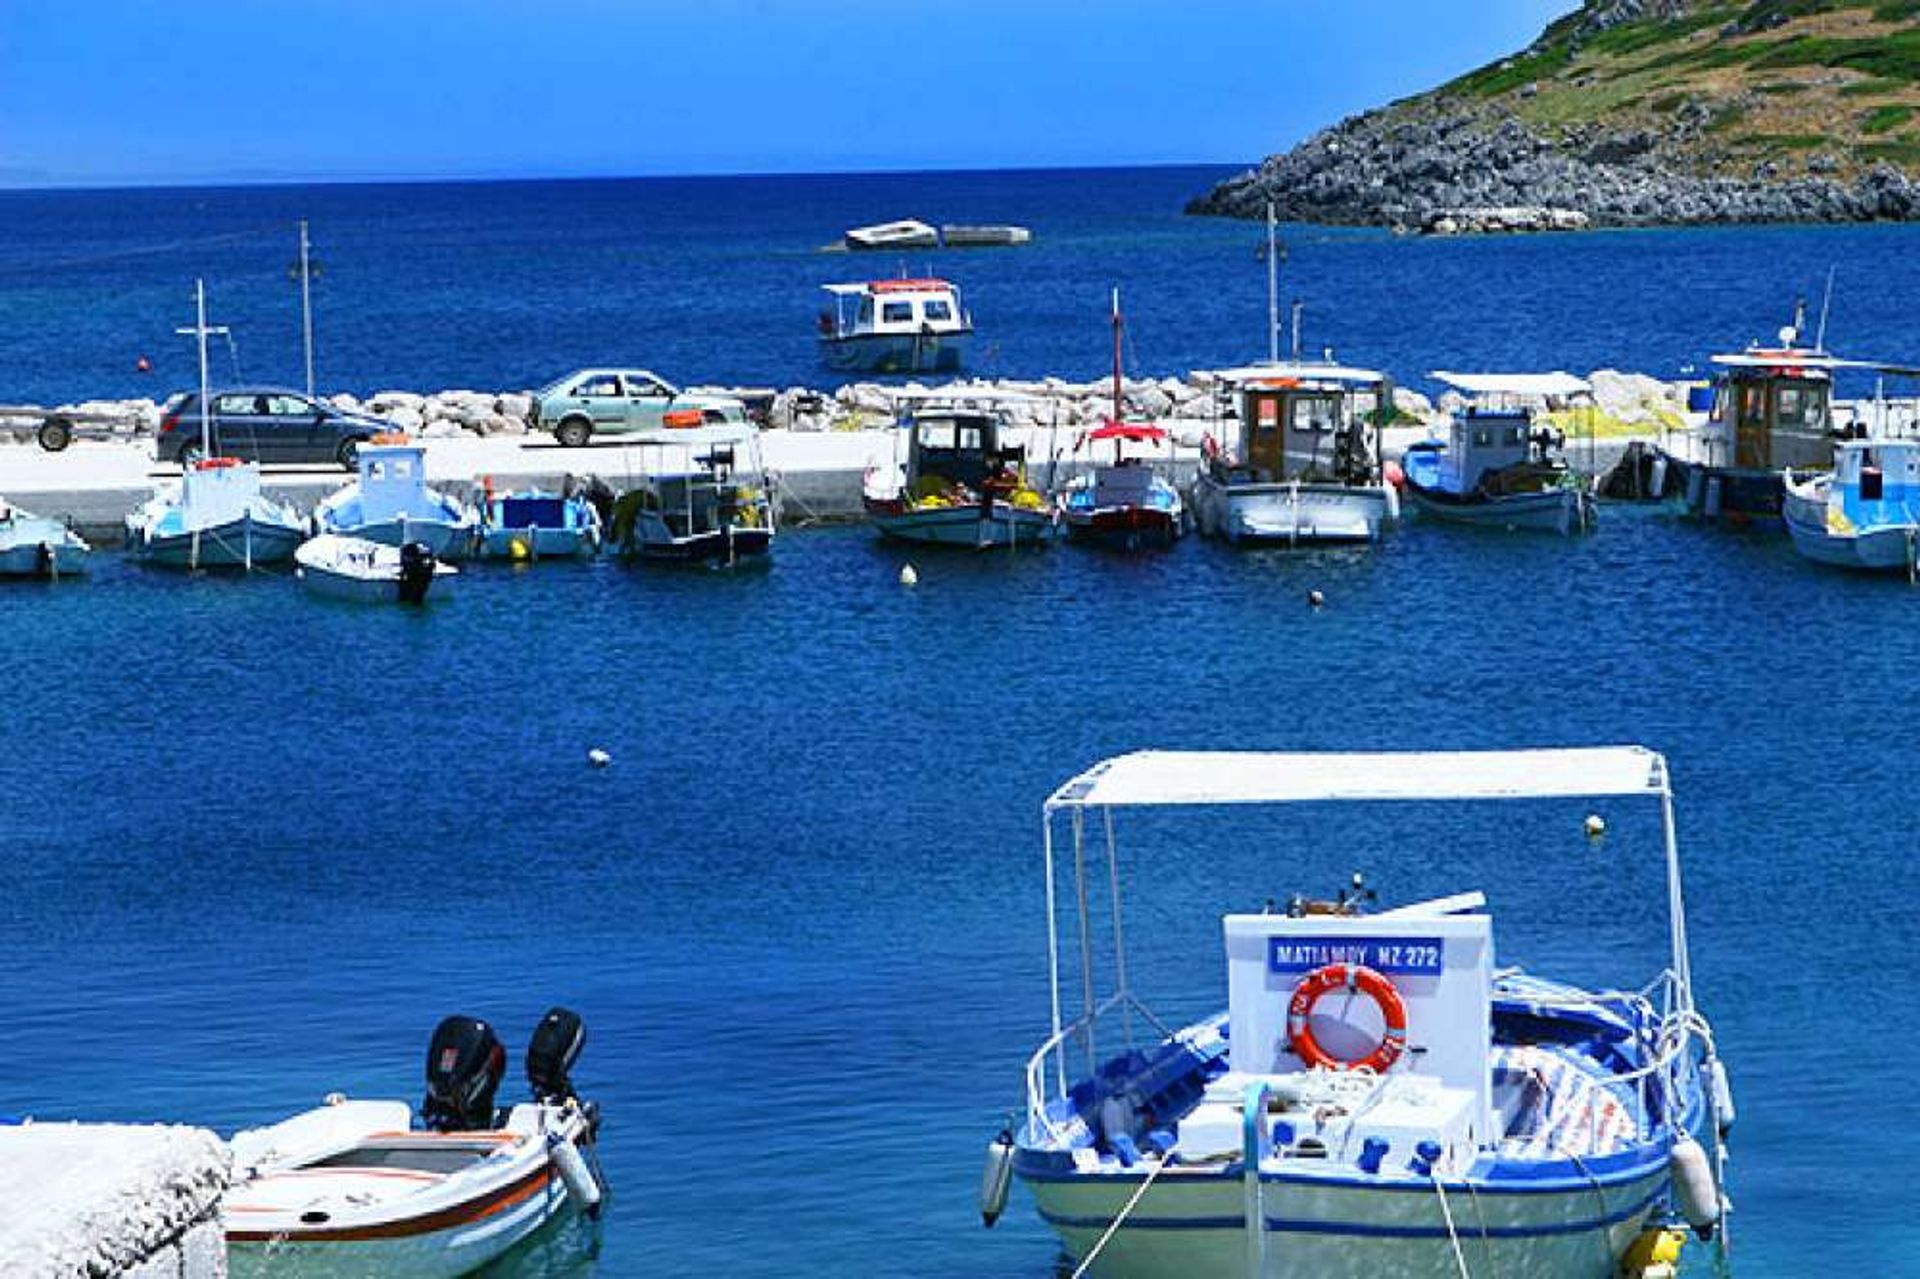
pixel 141 1201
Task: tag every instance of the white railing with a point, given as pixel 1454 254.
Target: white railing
pixel 1055 1047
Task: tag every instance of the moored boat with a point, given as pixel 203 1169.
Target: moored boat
pixel 1124 504
pixel 390 503
pixel 907 233
pixel 895 326
pixel 708 503
pixel 1378 1097
pixel 959 484
pixel 535 525
pixel 354 1188
pixel 1499 467
pixel 353 568
pixel 1302 468
pixel 1865 513
pixel 36 546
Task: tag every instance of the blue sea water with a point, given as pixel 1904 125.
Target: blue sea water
pixel 255 845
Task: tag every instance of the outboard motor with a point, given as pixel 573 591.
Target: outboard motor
pixel 464 1064
pixel 555 1046
pixel 417 563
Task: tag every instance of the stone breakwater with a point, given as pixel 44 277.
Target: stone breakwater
pixel 1633 399
pixel 1410 169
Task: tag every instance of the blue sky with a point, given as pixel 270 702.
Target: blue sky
pixel 127 91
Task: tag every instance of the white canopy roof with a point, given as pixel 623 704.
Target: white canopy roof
pixel 1540 384
pixel 1803 358
pixel 1305 371
pixel 1263 777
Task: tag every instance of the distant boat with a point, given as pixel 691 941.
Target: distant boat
pixel 533 525
pixel 1124 503
pixel 707 507
pixel 353 1188
pixel 391 504
pixel 895 326
pixel 352 568
pixel 1866 513
pixel 984 237
pixel 958 485
pixel 1498 468
pixel 904 234
pixel 35 546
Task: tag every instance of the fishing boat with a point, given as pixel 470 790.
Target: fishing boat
pixel 1865 513
pixel 355 1188
pixel 705 500
pixel 215 516
pixel 352 568
pixel 1499 467
pixel 1378 1097
pixel 1125 503
pixel 895 326
pixel 1301 468
pixel 1772 410
pixel 536 525
pixel 959 484
pixel 36 546
pixel 390 503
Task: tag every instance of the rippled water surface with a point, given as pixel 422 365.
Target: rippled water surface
pixel 258 844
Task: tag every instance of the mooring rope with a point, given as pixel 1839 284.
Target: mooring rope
pixel 1113 1227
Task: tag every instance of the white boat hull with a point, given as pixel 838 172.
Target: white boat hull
pixel 1292 514
pixel 1191 1224
pixel 447 540
pixel 1561 511
pixel 234 544
pixel 1889 549
pixel 41 548
pixel 970 526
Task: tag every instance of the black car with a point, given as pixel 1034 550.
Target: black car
pixel 265 424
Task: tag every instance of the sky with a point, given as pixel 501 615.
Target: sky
pixel 120 92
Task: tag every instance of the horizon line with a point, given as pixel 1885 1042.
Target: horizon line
pixel 242 180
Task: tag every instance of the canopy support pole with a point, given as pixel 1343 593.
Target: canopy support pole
pixel 1087 1010
pixel 1053 952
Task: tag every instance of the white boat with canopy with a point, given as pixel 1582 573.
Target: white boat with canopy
pixel 1378 1097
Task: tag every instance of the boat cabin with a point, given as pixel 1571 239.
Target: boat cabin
pixel 1772 409
pixel 903 308
pixel 1495 431
pixel 1304 422
pixel 393 483
pixel 948 447
pixel 1876 483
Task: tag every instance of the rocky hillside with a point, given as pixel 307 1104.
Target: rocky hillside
pixel 1636 112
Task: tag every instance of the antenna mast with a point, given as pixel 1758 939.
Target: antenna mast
pixel 1820 338
pixel 1273 291
pixel 201 331
pixel 1116 355
pixel 306 303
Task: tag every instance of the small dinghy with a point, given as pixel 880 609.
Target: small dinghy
pixel 351 1188
pixel 536 525
pixel 352 568
pixel 35 546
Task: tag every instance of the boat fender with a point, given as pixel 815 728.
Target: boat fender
pixel 581 1183
pixel 996 1178
pixel 1693 1186
pixel 1722 1093
pixel 1116 1117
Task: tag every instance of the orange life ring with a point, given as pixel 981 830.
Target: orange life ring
pixel 1353 977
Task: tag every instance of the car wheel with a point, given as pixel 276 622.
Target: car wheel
pixel 349 454
pixel 55 435
pixel 573 432
pixel 190 452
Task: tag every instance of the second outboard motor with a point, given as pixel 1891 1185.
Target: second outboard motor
pixel 555 1046
pixel 416 572
pixel 464 1064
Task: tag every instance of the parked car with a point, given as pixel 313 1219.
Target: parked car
pixel 265 424
pixel 593 402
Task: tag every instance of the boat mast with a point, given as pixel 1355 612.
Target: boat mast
pixel 1116 365
pixel 201 331
pixel 1273 290
pixel 306 303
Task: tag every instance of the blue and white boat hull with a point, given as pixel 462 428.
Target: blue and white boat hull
pixel 241 543
pixel 33 546
pixel 447 539
pixel 895 352
pixel 1560 510
pixel 1292 514
pixel 1886 548
pixel 971 525
pixel 535 543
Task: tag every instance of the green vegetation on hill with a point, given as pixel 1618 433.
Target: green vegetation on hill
pixel 1833 83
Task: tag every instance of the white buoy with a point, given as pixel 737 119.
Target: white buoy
pixel 1316 599
pixel 574 1171
pixel 1595 826
pixel 996 1177
pixel 909 576
pixel 599 758
pixel 1693 1186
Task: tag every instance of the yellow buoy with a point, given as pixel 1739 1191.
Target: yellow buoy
pixel 1655 1254
pixel 518 551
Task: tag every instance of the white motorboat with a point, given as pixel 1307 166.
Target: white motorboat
pixel 36 546
pixel 895 326
pixel 353 568
pixel 1865 513
pixel 1378 1097
pixel 904 234
pixel 352 1188
pixel 1498 468
pixel 1302 467
pixel 390 503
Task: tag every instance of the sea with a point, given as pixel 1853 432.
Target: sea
pixel 256 846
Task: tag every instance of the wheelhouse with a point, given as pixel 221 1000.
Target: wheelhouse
pixel 1306 422
pixel 905 307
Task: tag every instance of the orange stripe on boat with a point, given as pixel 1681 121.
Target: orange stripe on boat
pixel 459 1215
